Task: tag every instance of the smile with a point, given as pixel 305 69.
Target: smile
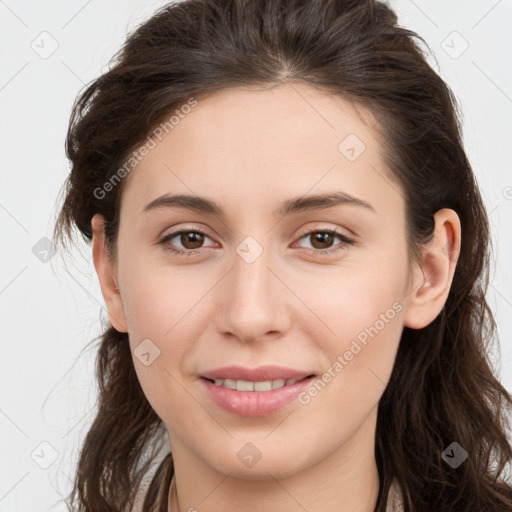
pixel 246 385
pixel 254 398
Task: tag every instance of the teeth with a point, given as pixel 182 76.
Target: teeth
pixel 263 386
pixel 245 385
pixel 279 383
pixel 228 383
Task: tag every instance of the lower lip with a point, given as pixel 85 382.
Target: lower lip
pixel 254 403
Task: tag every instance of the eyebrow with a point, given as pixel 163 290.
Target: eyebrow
pixel 288 207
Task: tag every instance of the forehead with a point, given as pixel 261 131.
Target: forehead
pixel 249 142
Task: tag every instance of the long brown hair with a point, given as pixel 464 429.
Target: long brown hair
pixel 442 388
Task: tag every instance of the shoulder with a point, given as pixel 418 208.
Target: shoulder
pixel 395 501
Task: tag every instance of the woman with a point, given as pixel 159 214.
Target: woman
pixel 293 251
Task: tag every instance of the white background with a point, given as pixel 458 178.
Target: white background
pixel 51 311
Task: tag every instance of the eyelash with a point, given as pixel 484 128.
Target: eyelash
pixel 191 252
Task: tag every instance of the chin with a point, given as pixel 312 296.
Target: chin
pixel 275 466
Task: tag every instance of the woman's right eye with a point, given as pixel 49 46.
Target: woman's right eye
pixel 184 238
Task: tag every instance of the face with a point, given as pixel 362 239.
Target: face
pixel 272 277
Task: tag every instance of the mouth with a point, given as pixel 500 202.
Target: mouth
pixel 255 398
pixel 263 386
pixel 257 391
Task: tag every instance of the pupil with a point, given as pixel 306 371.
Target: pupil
pixel 321 238
pixel 193 238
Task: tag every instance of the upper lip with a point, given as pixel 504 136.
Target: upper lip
pixel 261 373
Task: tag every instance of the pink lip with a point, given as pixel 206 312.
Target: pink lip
pixel 254 403
pixel 261 373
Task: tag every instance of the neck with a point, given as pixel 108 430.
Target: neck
pixel 346 481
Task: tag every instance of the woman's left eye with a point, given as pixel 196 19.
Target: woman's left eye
pixel 325 236
pixel 322 237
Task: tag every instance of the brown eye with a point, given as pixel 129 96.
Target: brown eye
pixel 191 241
pixel 322 240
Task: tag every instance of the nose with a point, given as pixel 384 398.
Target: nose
pixel 253 299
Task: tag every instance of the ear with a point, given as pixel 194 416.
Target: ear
pixel 106 271
pixel 432 277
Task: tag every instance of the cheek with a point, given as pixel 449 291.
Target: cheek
pixel 162 306
pixel 358 361
pixel 159 300
pixel 360 316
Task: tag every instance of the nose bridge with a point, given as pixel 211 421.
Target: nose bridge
pixel 252 303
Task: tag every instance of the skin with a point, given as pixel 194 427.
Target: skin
pixel 251 149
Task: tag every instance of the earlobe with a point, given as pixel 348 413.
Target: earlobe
pixel 105 270
pixel 432 278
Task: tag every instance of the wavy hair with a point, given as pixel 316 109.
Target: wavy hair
pixel 443 387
